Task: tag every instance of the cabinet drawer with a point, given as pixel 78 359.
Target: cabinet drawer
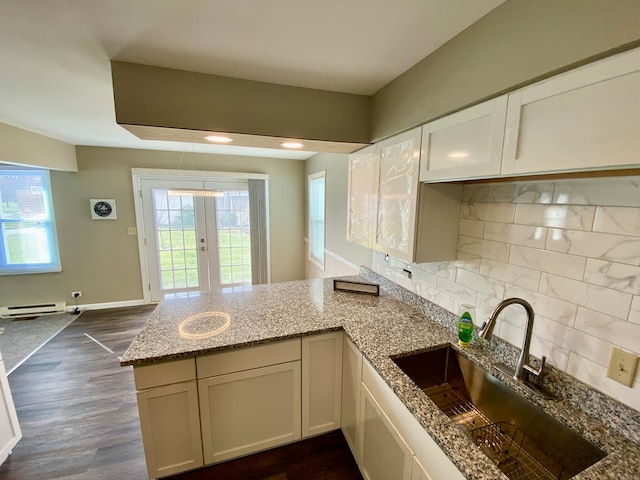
pixel 165 373
pixel 248 358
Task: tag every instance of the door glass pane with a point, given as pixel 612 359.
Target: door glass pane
pixel 176 240
pixel 232 217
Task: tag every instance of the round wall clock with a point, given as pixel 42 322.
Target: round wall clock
pixel 103 208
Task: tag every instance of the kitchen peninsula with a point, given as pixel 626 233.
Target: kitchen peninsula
pixel 266 334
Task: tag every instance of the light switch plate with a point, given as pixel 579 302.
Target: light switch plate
pixel 622 366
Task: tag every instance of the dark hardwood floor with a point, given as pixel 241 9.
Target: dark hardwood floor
pixel 323 457
pixel 78 414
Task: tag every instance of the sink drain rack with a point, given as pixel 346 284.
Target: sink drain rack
pixel 502 442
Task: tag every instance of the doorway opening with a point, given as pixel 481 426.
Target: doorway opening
pixel 200 233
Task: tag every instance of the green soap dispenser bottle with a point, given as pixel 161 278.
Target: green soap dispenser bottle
pixel 465 324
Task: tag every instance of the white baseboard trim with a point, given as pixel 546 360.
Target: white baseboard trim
pixel 106 305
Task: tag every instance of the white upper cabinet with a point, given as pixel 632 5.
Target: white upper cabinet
pixel 398 194
pixel 392 212
pixel 363 185
pixel 585 119
pixel 466 144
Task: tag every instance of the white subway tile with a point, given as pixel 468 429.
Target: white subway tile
pixel 520 276
pixel 460 292
pixel 529 236
pixel 485 304
pixel 403 280
pixel 622 192
pixel 618 276
pixel 572 217
pixel 634 313
pixel 468 262
pixel 513 314
pixel 484 248
pixel 594 297
pixel 480 283
pixel 571 266
pixel 510 333
pixel 550 307
pixel 551 330
pixel 471 228
pixel 490 212
pixel 595 375
pixel 605 246
pixel 589 346
pixel 420 276
pixel 441 269
pixel 522 192
pixel 475 193
pixel 437 296
pixel 557 355
pixel 610 329
pixel 620 220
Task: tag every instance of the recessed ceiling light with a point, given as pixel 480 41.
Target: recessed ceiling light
pixel 218 139
pixel 292 145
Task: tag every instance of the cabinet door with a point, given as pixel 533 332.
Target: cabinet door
pixel 249 411
pixel 418 472
pixel 362 190
pixel 351 381
pixel 321 383
pixel 170 423
pixel 384 454
pixel 10 432
pixel 466 144
pixel 398 195
pixel 586 119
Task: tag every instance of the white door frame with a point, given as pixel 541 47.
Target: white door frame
pixel 139 174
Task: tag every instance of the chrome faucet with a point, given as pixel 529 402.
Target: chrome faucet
pixel 523 369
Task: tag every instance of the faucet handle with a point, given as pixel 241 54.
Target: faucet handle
pixel 539 373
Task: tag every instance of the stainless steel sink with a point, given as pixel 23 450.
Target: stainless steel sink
pixel 523 440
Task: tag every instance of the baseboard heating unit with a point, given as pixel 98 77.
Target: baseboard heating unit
pixel 18 311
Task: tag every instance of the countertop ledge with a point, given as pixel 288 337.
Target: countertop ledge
pixel 396 323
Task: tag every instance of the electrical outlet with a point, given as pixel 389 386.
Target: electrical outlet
pixel 622 366
pixel 76 294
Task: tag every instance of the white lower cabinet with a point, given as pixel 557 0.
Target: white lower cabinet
pixel 321 383
pixel 418 472
pixel 415 445
pixel 383 453
pixel 351 387
pixel 250 399
pixel 10 432
pixel 170 422
pixel 248 411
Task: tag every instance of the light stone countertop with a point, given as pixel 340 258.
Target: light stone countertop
pixel 393 324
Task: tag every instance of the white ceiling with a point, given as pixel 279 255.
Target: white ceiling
pixel 55 77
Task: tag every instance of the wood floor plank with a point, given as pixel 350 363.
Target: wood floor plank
pixel 78 412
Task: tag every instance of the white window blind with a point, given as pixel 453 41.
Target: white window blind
pixel 28 242
pixel 316 218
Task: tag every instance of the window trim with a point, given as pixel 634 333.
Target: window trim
pixel 319 262
pixel 55 264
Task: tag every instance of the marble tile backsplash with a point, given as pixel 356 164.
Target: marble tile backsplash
pixel 569 247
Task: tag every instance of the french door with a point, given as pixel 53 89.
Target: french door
pixel 197 235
